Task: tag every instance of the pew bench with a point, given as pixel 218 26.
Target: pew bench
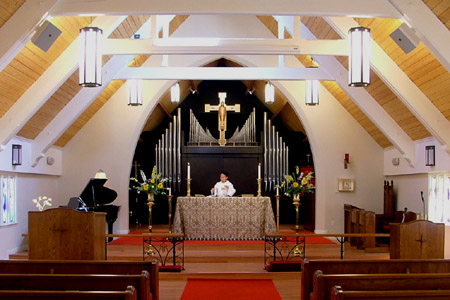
pixel 368 267
pixel 78 282
pixel 324 283
pixel 84 267
pixel 339 294
pixel 128 294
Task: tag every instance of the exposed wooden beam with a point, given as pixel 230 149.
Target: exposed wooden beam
pixel 368 105
pixel 19 29
pixel 219 73
pixel 69 114
pixel 434 34
pixel 33 98
pixel 400 84
pixel 361 8
pixel 224 46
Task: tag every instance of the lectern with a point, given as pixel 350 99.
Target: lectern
pixel 417 240
pixel 66 234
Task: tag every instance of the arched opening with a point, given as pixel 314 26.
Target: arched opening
pixel 249 95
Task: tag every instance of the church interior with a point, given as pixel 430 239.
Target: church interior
pixel 134 111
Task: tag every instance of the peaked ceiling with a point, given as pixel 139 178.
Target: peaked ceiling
pixel 401 109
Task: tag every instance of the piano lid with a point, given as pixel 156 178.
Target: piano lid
pixel 96 194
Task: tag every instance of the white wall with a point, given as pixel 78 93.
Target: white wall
pixel 28 187
pixel 108 140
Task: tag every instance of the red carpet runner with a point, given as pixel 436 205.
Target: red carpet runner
pixel 218 289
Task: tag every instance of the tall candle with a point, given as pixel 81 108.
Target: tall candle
pixel 259 171
pixel 189 171
pixel 278 191
pixel 170 191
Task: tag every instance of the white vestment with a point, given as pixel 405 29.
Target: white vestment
pixel 221 191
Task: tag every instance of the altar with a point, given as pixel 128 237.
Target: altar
pixel 228 218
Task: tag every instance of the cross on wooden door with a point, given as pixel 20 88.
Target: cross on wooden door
pixel 222 108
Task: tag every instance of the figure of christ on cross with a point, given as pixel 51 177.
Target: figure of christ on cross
pixel 222 109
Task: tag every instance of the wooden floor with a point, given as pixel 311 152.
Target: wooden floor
pixel 231 261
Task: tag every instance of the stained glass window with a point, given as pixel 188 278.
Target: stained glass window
pixel 8 200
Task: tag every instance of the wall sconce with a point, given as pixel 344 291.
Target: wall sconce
pixel 346 160
pixel 175 93
pixel 359 60
pixel 430 156
pixel 16 155
pixel 269 93
pixel 90 51
pixel 134 92
pixel 312 92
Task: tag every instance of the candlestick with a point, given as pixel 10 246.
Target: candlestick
pixel 278 211
pixel 278 191
pixel 170 191
pixel 189 171
pixel 169 198
pixel 259 171
pixel 188 187
pixel 259 187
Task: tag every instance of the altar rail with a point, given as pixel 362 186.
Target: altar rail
pixel 291 245
pixel 165 247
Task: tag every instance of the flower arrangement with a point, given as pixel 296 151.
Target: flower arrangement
pixel 298 183
pixel 152 185
pixel 42 201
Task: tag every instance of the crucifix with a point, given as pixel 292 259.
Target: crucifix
pixel 222 109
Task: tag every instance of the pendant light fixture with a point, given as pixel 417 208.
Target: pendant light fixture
pixel 134 92
pixel 175 93
pixel 312 91
pixel 90 55
pixel 359 59
pixel 269 93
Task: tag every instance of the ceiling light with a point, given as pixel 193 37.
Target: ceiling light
pixel 312 92
pixel 359 59
pixel 175 93
pixel 134 92
pixel 90 51
pixel 269 93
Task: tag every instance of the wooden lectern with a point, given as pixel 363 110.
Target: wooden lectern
pixel 66 234
pixel 417 240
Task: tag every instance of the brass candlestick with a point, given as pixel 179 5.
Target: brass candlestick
pixel 169 198
pixel 150 203
pixel 259 180
pixel 296 204
pixel 278 213
pixel 188 187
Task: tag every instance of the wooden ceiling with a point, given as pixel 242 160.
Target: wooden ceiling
pixel 420 65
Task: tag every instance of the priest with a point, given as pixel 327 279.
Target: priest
pixel 223 188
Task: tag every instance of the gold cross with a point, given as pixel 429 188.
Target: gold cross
pixel 136 165
pixel 222 115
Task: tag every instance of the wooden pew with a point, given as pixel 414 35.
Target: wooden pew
pixel 368 267
pixel 324 283
pixel 79 282
pixel 84 267
pixel 128 294
pixel 339 294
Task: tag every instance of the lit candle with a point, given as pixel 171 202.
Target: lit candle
pixel 189 171
pixel 259 171
pixel 278 191
pixel 170 191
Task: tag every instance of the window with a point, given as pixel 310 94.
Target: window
pixel 8 200
pixel 439 198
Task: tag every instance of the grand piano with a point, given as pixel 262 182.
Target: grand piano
pixel 96 197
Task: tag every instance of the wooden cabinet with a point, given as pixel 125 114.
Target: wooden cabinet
pixel 417 240
pixel 66 234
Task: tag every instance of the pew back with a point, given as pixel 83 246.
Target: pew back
pixel 84 267
pixel 324 283
pixel 78 282
pixel 339 294
pixel 129 294
pixel 368 267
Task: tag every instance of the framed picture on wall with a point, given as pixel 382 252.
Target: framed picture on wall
pixel 346 185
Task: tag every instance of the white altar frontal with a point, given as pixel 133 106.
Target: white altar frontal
pixel 228 218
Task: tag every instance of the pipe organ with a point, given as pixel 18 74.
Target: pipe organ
pixel 168 153
pixel 276 156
